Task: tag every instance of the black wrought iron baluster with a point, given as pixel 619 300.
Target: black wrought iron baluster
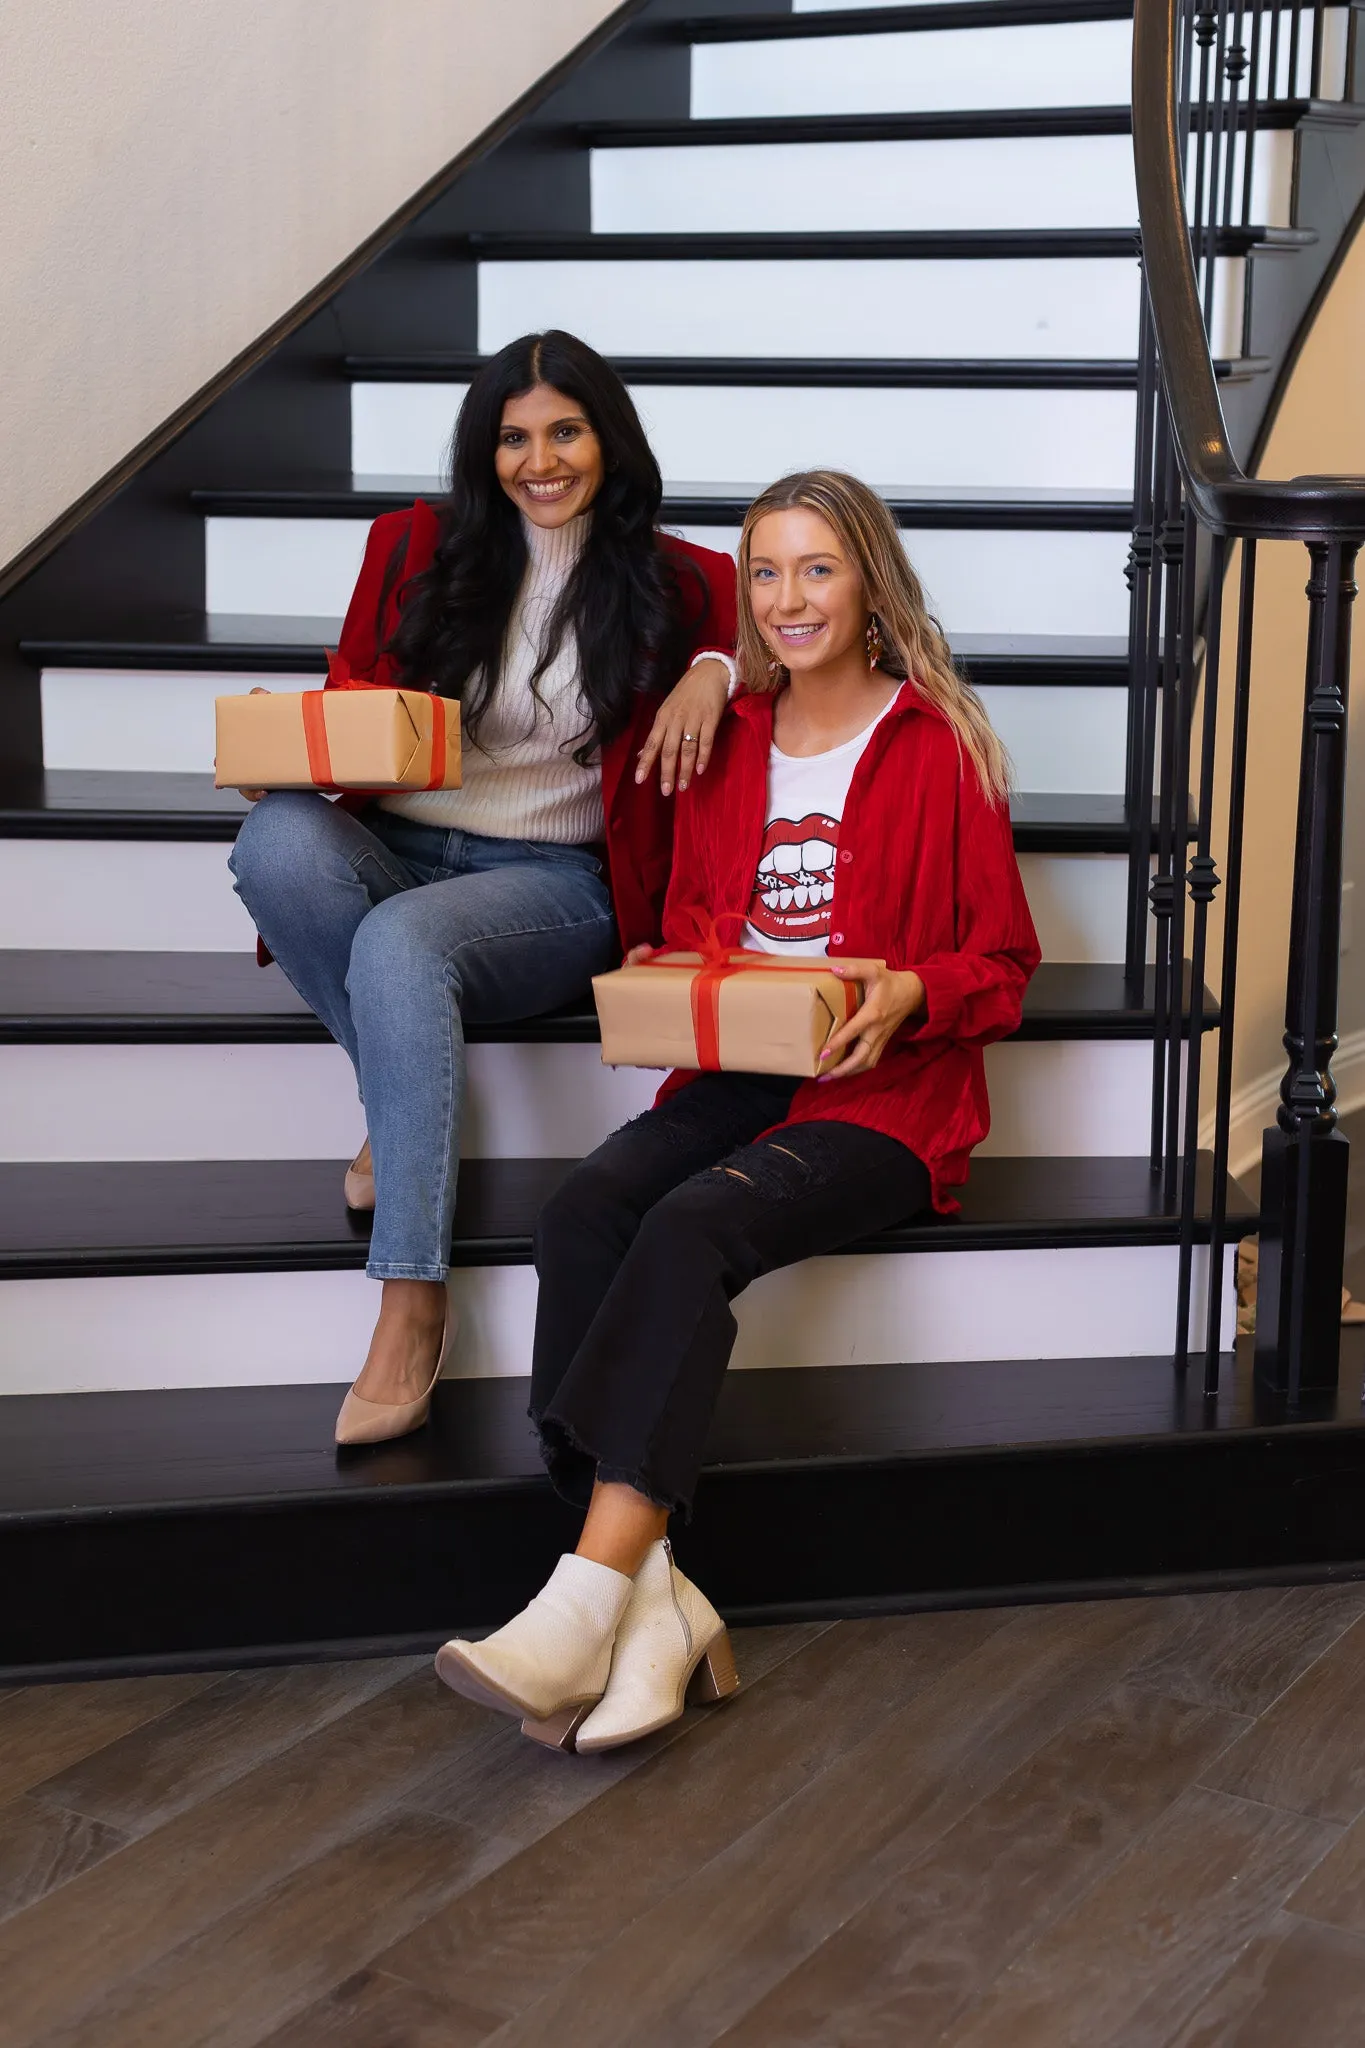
pixel 1216 116
pixel 1315 61
pixel 1304 1157
pixel 1175 816
pixel 1139 764
pixel 1227 996
pixel 1235 65
pixel 1291 87
pixel 1205 32
pixel 1171 553
pixel 1272 83
pixel 1202 878
pixel 1253 107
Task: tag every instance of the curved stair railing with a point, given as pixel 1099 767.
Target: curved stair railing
pixel 1204 76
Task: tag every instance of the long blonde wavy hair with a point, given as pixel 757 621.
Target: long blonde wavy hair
pixel 913 643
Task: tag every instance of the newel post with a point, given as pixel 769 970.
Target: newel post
pixel 1304 1156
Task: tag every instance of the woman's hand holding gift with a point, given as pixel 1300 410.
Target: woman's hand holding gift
pixel 890 997
pixel 253 796
pixel 682 735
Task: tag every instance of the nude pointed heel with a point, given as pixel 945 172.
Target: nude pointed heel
pixel 378 1422
pixel 359 1182
pixel 715 1678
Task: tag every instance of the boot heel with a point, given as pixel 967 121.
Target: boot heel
pixel 715 1678
pixel 559 1730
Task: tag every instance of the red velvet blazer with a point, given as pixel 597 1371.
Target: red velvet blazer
pixel 639 821
pixel 926 878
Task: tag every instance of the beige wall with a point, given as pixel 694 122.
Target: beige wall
pixel 1320 430
pixel 176 174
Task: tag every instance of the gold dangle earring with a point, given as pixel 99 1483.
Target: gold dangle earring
pixel 874 642
pixel 774 669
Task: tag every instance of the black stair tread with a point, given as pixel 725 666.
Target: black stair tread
pixel 199 1216
pixel 930 125
pixel 864 21
pixel 1033 373
pixel 227 641
pixel 936 124
pixel 94 803
pixel 59 998
pixel 366 497
pixel 969 244
pixel 79 1454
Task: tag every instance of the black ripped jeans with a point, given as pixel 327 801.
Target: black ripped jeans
pixel 646 1244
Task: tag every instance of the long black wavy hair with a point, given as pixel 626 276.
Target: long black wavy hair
pixel 623 602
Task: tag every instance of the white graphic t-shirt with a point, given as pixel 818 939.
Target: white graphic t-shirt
pixel 793 896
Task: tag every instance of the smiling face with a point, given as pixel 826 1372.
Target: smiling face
pixel 807 597
pixel 549 459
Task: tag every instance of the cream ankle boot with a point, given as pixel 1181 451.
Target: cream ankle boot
pixel 671 1646
pixel 551 1659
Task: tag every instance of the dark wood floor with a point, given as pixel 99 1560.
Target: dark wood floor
pixel 1131 1822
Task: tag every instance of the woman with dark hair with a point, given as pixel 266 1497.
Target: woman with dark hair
pixel 543 598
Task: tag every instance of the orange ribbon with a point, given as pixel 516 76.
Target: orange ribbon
pixel 339 677
pixel 718 964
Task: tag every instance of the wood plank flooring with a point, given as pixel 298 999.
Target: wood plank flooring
pixel 1131 1822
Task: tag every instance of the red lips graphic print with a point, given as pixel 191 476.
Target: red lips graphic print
pixel 794 887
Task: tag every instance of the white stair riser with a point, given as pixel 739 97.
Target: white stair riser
pixel 1071 62
pixel 149 896
pixel 986 306
pixel 1079 903
pixel 120 895
pixel 979 439
pixel 1066 1097
pixel 1062 739
pixel 1043 181
pixel 1005 580
pixel 980 582
pixel 283 1329
pixel 1042 64
pixel 150 721
pixel 967 183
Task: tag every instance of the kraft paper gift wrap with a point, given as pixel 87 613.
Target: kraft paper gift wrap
pixel 352 737
pixel 740 1012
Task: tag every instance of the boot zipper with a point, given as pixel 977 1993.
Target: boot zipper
pixel 673 1591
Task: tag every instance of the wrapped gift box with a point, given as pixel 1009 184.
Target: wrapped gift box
pixel 353 737
pixel 750 1013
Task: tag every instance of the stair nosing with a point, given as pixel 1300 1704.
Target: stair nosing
pixel 849 244
pixel 1002 373
pixel 864 21
pixel 1078 513
pixel 995 668
pixel 936 125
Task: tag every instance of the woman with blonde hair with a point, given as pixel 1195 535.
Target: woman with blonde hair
pixel 856 807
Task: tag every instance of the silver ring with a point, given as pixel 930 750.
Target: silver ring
pixel 689 739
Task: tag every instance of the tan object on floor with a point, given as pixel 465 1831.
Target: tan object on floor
pixel 378 1422
pixel 350 737
pixel 743 1012
pixel 359 1182
pixel 1248 1275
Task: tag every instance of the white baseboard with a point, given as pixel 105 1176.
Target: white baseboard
pixel 1253 1107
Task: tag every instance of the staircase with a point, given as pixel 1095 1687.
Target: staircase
pixel 898 240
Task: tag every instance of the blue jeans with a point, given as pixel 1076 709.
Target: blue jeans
pixel 395 933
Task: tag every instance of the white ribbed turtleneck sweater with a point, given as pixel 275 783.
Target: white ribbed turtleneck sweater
pixel 520 778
